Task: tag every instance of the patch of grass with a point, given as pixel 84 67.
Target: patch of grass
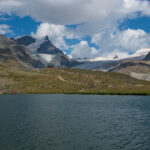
pixel 74 81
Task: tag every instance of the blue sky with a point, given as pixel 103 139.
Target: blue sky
pixel 82 34
pixel 137 23
pixel 19 26
pixel 26 25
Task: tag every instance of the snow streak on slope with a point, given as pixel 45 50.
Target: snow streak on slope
pixel 34 46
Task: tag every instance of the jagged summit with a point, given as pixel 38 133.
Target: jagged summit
pixel 46 38
pixel 47 47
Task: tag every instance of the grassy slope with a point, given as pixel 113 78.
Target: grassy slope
pixel 68 81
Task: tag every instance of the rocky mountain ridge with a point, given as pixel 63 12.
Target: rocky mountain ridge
pixel 12 53
pixel 46 51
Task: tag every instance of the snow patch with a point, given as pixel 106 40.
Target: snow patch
pixel 46 57
pixel 34 46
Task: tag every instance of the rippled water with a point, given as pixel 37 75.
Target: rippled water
pixel 74 122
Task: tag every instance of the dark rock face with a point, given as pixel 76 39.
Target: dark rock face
pixel 25 40
pixel 60 59
pixel 147 56
pixel 10 50
pixel 48 48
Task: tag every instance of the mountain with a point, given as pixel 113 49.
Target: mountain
pixel 46 51
pixel 136 69
pixel 147 56
pixel 104 64
pixel 47 47
pixel 12 53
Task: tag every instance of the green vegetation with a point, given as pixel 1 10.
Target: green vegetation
pixel 69 81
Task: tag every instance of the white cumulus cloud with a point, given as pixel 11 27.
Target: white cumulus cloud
pixel 83 50
pixel 4 29
pixel 56 33
pixel 122 42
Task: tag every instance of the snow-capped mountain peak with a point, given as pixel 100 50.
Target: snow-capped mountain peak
pixel 45 50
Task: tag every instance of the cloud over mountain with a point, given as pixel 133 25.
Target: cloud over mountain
pixel 98 18
pixel 127 41
pixel 83 50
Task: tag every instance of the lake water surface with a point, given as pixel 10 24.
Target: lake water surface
pixel 74 122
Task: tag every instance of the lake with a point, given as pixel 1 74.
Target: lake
pixel 74 122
